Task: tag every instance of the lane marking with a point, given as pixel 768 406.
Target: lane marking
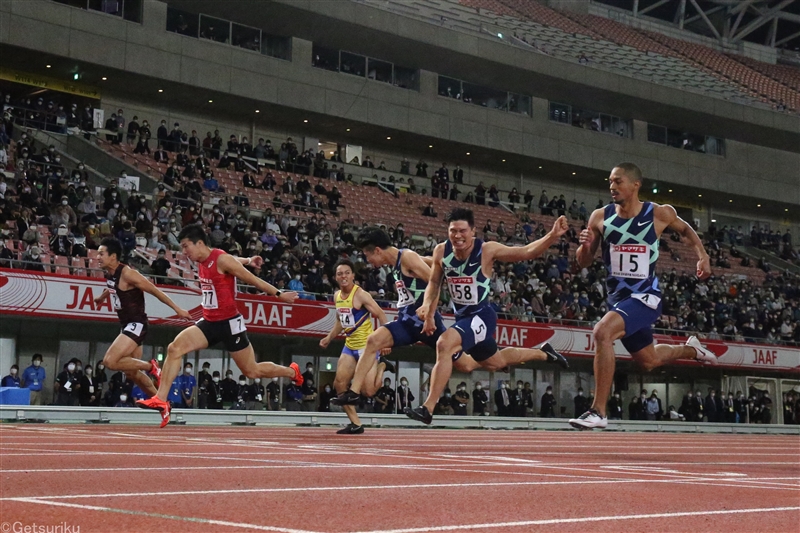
pixel 552 521
pixel 164 516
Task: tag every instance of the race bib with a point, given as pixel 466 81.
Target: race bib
pixel 463 290
pixel 237 325
pixel 479 328
pixel 135 328
pixel 346 318
pixel 404 296
pixel 649 300
pixel 115 303
pixel 630 261
pixel 210 297
pixel 91 389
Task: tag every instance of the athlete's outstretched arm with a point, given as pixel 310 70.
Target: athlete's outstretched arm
pixel 101 297
pixel 335 330
pixel 419 267
pixel 369 303
pixel 590 239
pixel 513 254
pixel 231 265
pixel 667 214
pixel 432 291
pixel 135 279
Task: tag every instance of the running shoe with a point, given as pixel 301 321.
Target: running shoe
pixel 351 429
pixel 389 366
pixel 553 356
pixel 155 403
pixel 155 371
pixel 298 377
pixel 703 355
pixel 420 414
pixel 348 397
pixel 589 420
pixel 165 412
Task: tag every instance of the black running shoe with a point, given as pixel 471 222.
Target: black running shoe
pixel 420 414
pixel 553 356
pixel 348 397
pixel 389 366
pixel 351 429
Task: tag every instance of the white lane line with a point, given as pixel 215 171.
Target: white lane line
pixel 553 521
pixel 208 521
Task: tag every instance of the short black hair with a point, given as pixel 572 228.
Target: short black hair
pixel 371 238
pixel 632 171
pixel 193 233
pixel 345 262
pixel 113 247
pixel 461 213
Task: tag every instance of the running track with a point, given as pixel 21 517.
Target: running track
pixel 309 480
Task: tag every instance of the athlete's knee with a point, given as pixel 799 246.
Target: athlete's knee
pixel 647 363
pixel 110 362
pixel 174 351
pixel 251 372
pixel 602 334
pixel 445 348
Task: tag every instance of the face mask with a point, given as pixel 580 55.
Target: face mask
pixel 123 397
pixel 71 368
pixel 404 384
pixel 101 367
pixel 274 380
pixel 478 387
pixel 13 371
pixel 242 382
pixel 519 387
pixel 88 371
pixel 37 363
pixel 580 393
pixel 215 379
pixel 257 381
pixel 503 385
pixel 64 202
pixel 187 370
pixel 327 389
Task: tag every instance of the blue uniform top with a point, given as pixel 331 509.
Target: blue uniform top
pixel 33 376
pixel 469 288
pixel 410 292
pixel 630 251
pixel 10 381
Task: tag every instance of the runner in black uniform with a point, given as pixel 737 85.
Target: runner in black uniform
pixel 126 288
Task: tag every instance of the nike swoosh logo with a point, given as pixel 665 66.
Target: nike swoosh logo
pixel 473 264
pixel 211 264
pixel 640 224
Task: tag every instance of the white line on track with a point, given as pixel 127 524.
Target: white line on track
pixel 555 521
pixel 255 527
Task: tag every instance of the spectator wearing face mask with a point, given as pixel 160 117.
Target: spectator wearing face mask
pixel 89 394
pixel 325 398
pixel 653 409
pixel 615 407
pixel 188 385
pixel 67 386
pixel 230 389
pixel 581 403
pixel 293 397
pixel 255 400
pixel 698 407
pixel 309 395
pixel 711 406
pixel 273 393
pixel 203 380
pixel 548 404
pixel 33 378
pixel 461 400
pixel 480 401
pixel 214 392
pixel 120 384
pixel 404 396
pixel 519 401
pixel 124 400
pixel 502 400
pixel 100 378
pixel 32 260
pixel 12 379
pixel 385 398
pixel 444 405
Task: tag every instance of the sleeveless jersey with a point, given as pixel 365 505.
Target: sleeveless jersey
pixel 410 292
pixel 357 323
pixel 468 287
pixel 129 304
pixel 219 290
pixel 630 251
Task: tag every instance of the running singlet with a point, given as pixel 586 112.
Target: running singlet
pixel 357 323
pixel 468 287
pixel 410 292
pixel 219 290
pixel 630 251
pixel 129 304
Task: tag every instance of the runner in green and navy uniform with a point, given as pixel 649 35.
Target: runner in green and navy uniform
pixel 629 231
pixel 466 263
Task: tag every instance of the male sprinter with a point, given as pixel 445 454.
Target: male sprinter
pixel 630 230
pixel 467 263
pixel 411 273
pixel 126 288
pixel 355 309
pixel 221 322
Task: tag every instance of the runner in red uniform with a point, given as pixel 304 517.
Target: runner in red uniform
pixel 221 322
pixel 126 288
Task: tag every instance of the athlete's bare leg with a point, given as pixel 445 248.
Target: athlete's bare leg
pixel 374 378
pixel 610 328
pixel 188 340
pixel 448 344
pixel 345 368
pixel 125 356
pixel 657 355
pixel 465 364
pixel 246 361
pixel 377 340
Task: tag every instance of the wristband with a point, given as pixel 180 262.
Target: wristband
pixel 278 293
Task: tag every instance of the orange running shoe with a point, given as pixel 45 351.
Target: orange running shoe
pixel 154 403
pixel 165 412
pixel 298 377
pixel 155 371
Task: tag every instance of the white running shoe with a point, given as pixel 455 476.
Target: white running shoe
pixel 703 355
pixel 589 420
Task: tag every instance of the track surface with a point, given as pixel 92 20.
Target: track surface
pixel 303 480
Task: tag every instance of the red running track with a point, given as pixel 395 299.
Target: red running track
pixel 302 480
